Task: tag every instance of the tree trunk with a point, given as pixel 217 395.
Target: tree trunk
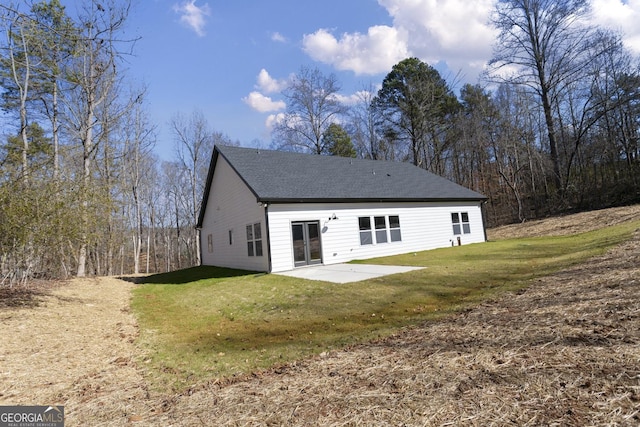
pixel 553 143
pixel 148 252
pixel 87 144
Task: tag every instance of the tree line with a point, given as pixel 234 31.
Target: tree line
pixel 552 126
pixel 81 190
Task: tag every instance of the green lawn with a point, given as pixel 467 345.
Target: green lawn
pixel 206 323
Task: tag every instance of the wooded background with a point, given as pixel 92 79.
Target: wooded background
pixel 551 127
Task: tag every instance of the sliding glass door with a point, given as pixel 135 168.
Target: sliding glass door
pixel 306 243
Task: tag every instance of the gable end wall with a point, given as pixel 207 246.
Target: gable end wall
pixel 231 206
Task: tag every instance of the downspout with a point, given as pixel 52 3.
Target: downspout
pixel 484 219
pixel 266 224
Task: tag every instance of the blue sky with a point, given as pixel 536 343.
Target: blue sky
pixel 230 59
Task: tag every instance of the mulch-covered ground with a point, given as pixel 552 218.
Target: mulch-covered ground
pixel 565 351
pixel 567 224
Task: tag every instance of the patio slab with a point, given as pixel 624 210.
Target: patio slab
pixel 346 273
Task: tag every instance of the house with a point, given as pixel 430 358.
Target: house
pixel 274 211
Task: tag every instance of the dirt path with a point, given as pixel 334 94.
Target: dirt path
pixel 566 351
pixel 75 348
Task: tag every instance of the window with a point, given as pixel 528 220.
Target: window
pixel 455 220
pixel 254 239
pixel 257 234
pixel 460 222
pixel 387 228
pixel 466 228
pixel 394 228
pixel 210 242
pixel 250 245
pixel 381 229
pixel 365 230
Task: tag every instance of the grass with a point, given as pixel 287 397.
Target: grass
pixel 209 323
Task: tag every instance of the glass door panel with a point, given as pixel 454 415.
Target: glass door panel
pixel 299 252
pixel 313 239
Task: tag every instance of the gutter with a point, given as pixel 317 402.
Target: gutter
pixel 266 224
pixel 369 200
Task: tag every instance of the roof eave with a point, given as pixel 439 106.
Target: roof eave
pixel 205 196
pixel 282 200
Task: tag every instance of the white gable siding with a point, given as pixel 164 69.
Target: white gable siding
pixel 423 226
pixel 231 206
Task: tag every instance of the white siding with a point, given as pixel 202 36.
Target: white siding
pixel 423 226
pixel 231 206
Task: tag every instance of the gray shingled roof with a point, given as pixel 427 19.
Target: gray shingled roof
pixel 280 176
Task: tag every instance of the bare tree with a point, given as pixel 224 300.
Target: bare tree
pixel 545 41
pixel 312 105
pixel 139 141
pixel 475 126
pixel 194 142
pixel 172 217
pixel 93 82
pixel 362 125
pixel 616 87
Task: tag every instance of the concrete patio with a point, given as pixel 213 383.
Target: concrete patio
pixel 346 273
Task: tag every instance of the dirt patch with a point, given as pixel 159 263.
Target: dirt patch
pixel 566 351
pixel 26 295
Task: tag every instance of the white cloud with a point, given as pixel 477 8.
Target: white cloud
pixel 371 53
pixel 262 103
pixel 265 85
pixel 453 31
pixel 277 37
pixel 621 16
pixel 268 84
pixel 354 98
pixel 193 16
pixel 273 120
pixel 456 32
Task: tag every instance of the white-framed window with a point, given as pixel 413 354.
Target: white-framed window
pixel 386 227
pixel 364 222
pixel 394 228
pixel 460 222
pixel 254 239
pixel 381 229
